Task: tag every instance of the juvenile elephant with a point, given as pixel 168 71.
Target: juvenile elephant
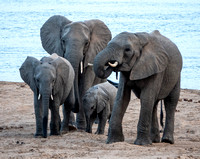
pixel 51 79
pixel 78 42
pixel 150 66
pixel 98 102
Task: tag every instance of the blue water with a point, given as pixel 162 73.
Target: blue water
pixel 20 22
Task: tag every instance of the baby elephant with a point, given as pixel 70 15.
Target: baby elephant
pixel 98 102
pixel 51 80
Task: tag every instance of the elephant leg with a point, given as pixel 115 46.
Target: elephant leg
pixel 91 122
pixel 115 133
pixel 72 122
pixel 38 116
pixel 68 116
pixel 85 82
pixel 102 122
pixel 144 124
pixel 80 119
pixel 170 107
pixel 155 133
pixel 55 123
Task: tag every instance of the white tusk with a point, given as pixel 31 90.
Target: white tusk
pixel 51 97
pixel 113 65
pixel 90 64
pixel 81 67
pixel 39 97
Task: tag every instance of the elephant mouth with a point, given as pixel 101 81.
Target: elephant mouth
pixel 113 64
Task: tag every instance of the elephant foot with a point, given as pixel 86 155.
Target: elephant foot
pixel 72 127
pixel 99 132
pixel 168 139
pixel 54 133
pixel 143 141
pixel 81 125
pixel 115 136
pixel 69 128
pixel 155 138
pixel 38 135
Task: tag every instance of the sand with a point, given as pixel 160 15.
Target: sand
pixel 17 128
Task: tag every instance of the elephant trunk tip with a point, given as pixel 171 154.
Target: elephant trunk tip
pixel 45 123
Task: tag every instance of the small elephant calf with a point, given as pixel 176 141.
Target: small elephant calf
pixel 98 102
pixel 51 80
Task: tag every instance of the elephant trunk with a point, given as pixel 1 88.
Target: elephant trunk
pixel 45 104
pixel 71 56
pixel 89 127
pixel 103 62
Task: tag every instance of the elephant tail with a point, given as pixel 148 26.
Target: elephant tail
pixel 161 114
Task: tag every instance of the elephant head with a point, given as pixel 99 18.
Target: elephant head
pixel 78 42
pixel 45 78
pixel 140 54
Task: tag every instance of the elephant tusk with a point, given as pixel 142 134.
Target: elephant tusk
pixel 39 97
pixel 90 64
pixel 51 97
pixel 81 67
pixel 113 65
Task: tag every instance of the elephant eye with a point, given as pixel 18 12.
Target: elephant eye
pixel 63 41
pixel 86 43
pixel 92 107
pixel 37 80
pixel 127 49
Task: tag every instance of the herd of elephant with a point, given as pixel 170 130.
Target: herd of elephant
pixel 82 56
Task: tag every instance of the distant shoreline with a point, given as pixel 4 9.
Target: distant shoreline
pixel 196 91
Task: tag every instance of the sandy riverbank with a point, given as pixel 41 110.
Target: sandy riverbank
pixel 17 126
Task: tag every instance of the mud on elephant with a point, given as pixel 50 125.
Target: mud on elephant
pixel 150 65
pixel 51 79
pixel 78 42
pixel 98 102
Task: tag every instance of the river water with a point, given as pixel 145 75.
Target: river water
pixel 179 20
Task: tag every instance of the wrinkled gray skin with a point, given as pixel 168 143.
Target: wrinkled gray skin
pixel 51 80
pixel 98 102
pixel 78 42
pixel 150 66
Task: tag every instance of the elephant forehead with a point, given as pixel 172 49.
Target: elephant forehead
pixel 89 96
pixel 46 67
pixel 122 41
pixel 76 28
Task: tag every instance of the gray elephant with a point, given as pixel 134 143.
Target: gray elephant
pixel 78 42
pixel 98 102
pixel 150 66
pixel 51 79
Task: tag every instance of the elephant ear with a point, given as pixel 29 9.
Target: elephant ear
pixel 50 34
pixel 153 58
pixel 27 71
pixel 64 74
pixel 103 101
pixel 100 36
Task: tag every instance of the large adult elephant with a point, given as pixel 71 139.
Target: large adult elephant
pixel 79 43
pixel 150 66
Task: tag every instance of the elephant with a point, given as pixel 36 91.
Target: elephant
pixel 98 102
pixel 52 81
pixel 78 42
pixel 150 65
